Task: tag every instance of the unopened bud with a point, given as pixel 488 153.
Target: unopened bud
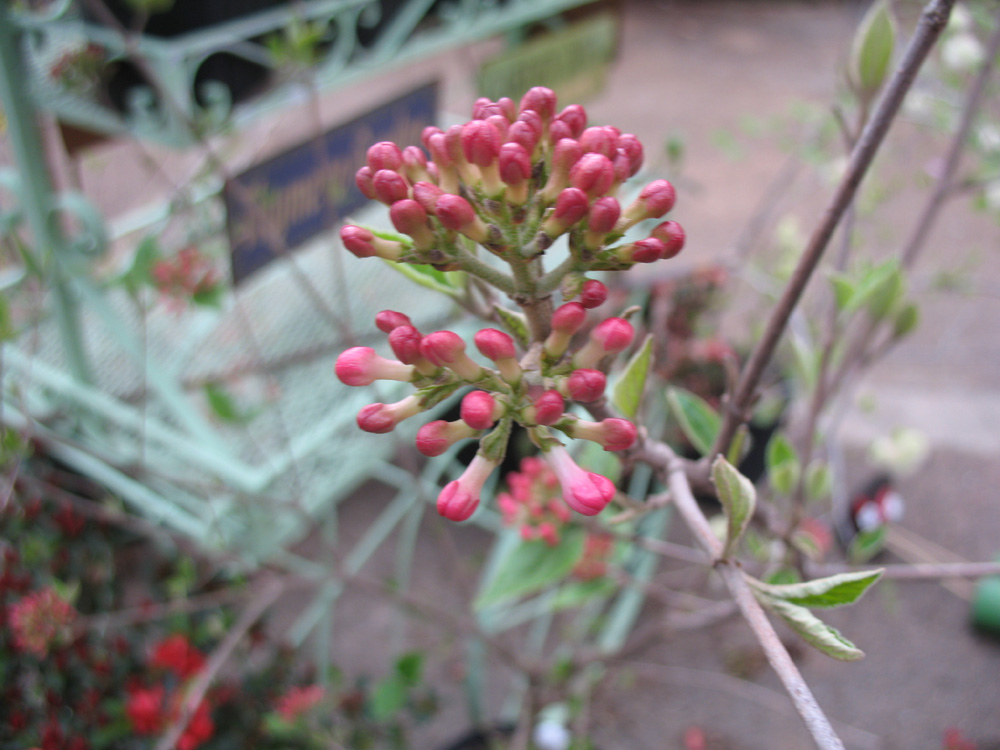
pixel 571 206
pixel 446 349
pixel 524 135
pixel 599 140
pixel 363 179
pixel 390 186
pixel 575 116
pixel 566 320
pixel 426 133
pixel 632 147
pixel 427 194
pixel 405 342
pixel 382 418
pixel 613 434
pixel 409 217
pixel 453 140
pixel 364 244
pixel 499 347
pixel 585 492
pixel 648 250
pixel 360 365
pixel 586 385
pixel 656 199
pixel 443 162
pixel 460 498
pixel 434 438
pixel 671 234
pixel 541 100
pixel 388 320
pixel 384 155
pixel 593 174
pixel 458 215
pixel 601 220
pixel 593 294
pixel 480 410
pixel 565 156
pixel 415 164
pixel 515 171
pixel 549 407
pixel 607 337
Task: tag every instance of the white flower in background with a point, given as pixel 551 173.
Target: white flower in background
pixel 960 19
pixel 918 105
pixel 992 195
pixel 902 452
pixel 962 53
pixel 551 735
pixel 988 137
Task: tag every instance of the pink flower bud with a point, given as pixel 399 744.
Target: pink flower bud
pixel 446 349
pixel 612 434
pixel 384 155
pixel 559 130
pixel 382 418
pixel 426 133
pixel 599 140
pixel 575 116
pixel 648 250
pixel 434 438
pixel 454 143
pixel 632 147
pixel 409 217
pixel 500 124
pixel 415 164
pixel 480 410
pixel 458 215
pixel 566 320
pixel 608 337
pixel 534 120
pixel 593 174
pixel 585 492
pixel 447 173
pixel 586 385
pixel 542 100
pixel 671 234
pixel 571 206
pixel 388 320
pixel 515 170
pixel 427 194
pixel 460 498
pixel 390 186
pixel 479 108
pixel 549 407
pixel 360 365
pixel 364 244
pixel 405 343
pixel 363 179
pixel 621 165
pixel 656 199
pixel 565 156
pixel 602 219
pixel 480 142
pixel 495 345
pixel 507 108
pixel 593 294
pixel 524 135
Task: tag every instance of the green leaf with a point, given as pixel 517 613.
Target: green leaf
pixel 811 629
pixel 906 320
pixel 819 480
pixel 784 576
pixel 532 566
pixel 834 591
pixel 140 271
pixel 699 421
pixel 410 667
pixel 878 289
pixel 627 393
pixel 388 698
pixel 740 446
pixel 427 276
pixel 871 53
pixel 866 545
pixel 7 332
pixel 223 405
pixel 783 468
pixel 578 593
pixel 738 498
pixel 843 289
pixel 515 324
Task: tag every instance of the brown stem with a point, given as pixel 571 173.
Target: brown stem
pixel 932 22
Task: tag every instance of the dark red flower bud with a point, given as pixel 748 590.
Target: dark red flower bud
pixel 575 116
pixel 363 179
pixel 479 410
pixel 586 385
pixel 523 134
pixel 389 320
pixel 568 318
pixel 593 294
pixel 409 217
pixel 405 343
pixel 599 140
pixel 427 194
pixel 480 142
pixel 593 174
pixel 457 214
pixel 571 206
pixel 632 146
pixel 549 407
pixel 672 235
pixel 515 164
pixel 603 215
pixel 495 345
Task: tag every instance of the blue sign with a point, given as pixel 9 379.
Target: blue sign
pixel 276 206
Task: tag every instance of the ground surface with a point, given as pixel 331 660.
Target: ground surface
pixel 697 70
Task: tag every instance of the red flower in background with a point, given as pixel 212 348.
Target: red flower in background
pixel 39 619
pixel 199 729
pixel 144 709
pixel 298 700
pixel 176 654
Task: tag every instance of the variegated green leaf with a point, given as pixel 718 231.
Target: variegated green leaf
pixel 627 393
pixel 699 421
pixel 833 591
pixel 738 498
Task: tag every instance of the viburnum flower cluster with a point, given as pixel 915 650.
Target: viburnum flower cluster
pixel 512 181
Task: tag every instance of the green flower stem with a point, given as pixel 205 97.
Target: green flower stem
pixel 551 281
pixel 472 265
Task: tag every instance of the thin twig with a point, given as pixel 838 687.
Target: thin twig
pixel 777 656
pixel 932 22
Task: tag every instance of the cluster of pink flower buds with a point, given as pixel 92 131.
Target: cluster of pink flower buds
pixel 534 502
pixel 512 180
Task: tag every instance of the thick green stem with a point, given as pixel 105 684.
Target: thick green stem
pixel 472 265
